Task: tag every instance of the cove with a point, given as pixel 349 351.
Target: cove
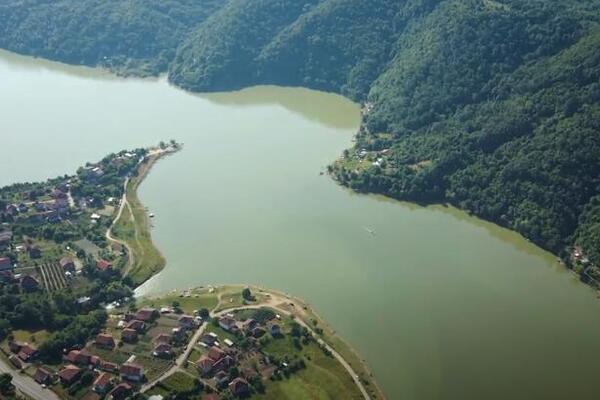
pixel 440 304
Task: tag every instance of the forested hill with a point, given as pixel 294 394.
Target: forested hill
pixel 491 105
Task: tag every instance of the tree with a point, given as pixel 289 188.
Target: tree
pixel 6 386
pixel 247 294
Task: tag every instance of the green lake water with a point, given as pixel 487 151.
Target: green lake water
pixel 440 304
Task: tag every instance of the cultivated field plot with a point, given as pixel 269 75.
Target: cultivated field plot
pixel 52 276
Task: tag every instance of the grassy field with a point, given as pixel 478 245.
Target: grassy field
pixel 197 300
pixel 134 228
pixel 179 382
pixel 324 378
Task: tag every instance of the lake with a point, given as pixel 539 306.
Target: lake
pixel 440 304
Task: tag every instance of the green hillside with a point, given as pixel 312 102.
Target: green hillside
pixel 491 105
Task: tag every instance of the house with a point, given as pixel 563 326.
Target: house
pixel 216 353
pixel 29 283
pixel 137 325
pixel 178 334
pixel 239 387
pixel 249 325
pixel 67 264
pixel 7 277
pixel 224 364
pixel 146 314
pixel 205 365
pixel 187 322
pixel 276 330
pixel 42 376
pixel 105 340
pixel 16 362
pixel 120 392
pixel 163 338
pixel 229 324
pixel 94 361
pixel 69 374
pixel 5 238
pixel 129 335
pixel 209 340
pixel 5 263
pixel 103 265
pixel 15 346
pixel 257 332
pixel 34 251
pixel 108 366
pixel 221 378
pixel 228 342
pixel 78 357
pixel 132 372
pixel 27 353
pixel 162 350
pixel 103 383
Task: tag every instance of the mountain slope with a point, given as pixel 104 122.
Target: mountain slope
pixel 491 105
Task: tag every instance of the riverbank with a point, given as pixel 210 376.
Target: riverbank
pixel 132 226
pixel 226 299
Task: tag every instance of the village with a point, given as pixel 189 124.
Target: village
pixel 70 325
pixel 237 350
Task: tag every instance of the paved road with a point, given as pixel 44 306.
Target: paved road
pixel 27 385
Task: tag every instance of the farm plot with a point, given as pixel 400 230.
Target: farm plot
pixel 52 276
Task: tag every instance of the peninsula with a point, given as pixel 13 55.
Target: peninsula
pixel 72 251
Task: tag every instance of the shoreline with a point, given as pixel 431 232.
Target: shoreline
pixel 295 307
pixel 330 337
pixel 145 259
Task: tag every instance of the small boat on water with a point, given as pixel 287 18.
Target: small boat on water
pixel 151 215
pixel 369 230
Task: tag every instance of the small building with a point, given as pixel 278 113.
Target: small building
pixel 132 372
pixel 205 365
pixel 15 346
pixel 5 263
pixel 178 334
pixel 229 324
pixel 147 314
pixel 129 335
pixel 7 276
pixel 78 357
pixel 67 264
pixel 187 322
pixel 239 387
pixel 276 330
pixel 221 378
pixel 5 238
pixel 249 325
pixel 137 325
pixel 103 265
pixel 163 338
pixel 208 340
pixel 28 353
pixel 108 366
pixel 103 383
pixel 216 353
pixel 120 392
pixel 69 374
pixel 16 362
pixel 228 342
pixel 162 350
pixel 105 340
pixel 29 284
pixel 42 376
pixel 34 252
pixel 224 364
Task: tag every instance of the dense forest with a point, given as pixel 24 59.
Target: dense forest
pixel 491 105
